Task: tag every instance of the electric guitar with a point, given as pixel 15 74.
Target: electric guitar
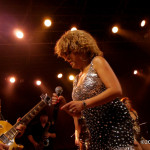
pixel 9 132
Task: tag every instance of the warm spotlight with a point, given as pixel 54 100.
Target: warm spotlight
pixel 38 82
pixel 19 34
pixel 73 28
pixel 71 77
pixel 115 29
pixel 12 79
pixel 60 75
pixel 143 22
pixel 135 72
pixel 47 22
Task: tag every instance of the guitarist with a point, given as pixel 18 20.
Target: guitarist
pixel 41 131
pixel 21 129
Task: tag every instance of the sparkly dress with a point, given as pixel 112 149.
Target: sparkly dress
pixel 110 125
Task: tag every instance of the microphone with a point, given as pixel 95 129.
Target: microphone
pixel 58 91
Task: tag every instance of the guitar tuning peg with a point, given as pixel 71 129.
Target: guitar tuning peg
pixel 46 98
pixel 42 96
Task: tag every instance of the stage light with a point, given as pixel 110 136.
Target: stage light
pixel 47 22
pixel 38 82
pixel 60 75
pixel 71 77
pixel 135 72
pixel 19 34
pixel 115 29
pixel 143 22
pixel 73 28
pixel 12 79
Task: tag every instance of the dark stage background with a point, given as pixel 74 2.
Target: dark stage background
pixel 33 57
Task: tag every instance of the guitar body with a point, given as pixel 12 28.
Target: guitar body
pixel 4 127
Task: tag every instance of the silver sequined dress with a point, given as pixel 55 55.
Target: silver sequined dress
pixel 110 125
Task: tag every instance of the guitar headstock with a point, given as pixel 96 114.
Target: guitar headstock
pixel 46 98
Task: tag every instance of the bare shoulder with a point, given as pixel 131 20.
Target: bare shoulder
pixel 99 61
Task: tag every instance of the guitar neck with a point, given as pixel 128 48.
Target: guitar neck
pixel 33 112
pixel 26 119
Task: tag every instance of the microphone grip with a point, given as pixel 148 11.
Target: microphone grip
pixel 56 109
pixel 57 105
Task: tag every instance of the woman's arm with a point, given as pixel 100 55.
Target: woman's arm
pixel 108 77
pixel 77 130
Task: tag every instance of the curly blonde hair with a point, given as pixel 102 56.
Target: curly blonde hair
pixel 78 41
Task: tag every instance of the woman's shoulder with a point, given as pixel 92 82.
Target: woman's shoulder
pixel 99 61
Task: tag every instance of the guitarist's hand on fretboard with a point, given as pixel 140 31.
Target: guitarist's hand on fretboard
pixel 21 128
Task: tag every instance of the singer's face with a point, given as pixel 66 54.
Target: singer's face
pixel 76 60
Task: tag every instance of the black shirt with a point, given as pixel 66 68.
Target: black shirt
pixel 37 131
